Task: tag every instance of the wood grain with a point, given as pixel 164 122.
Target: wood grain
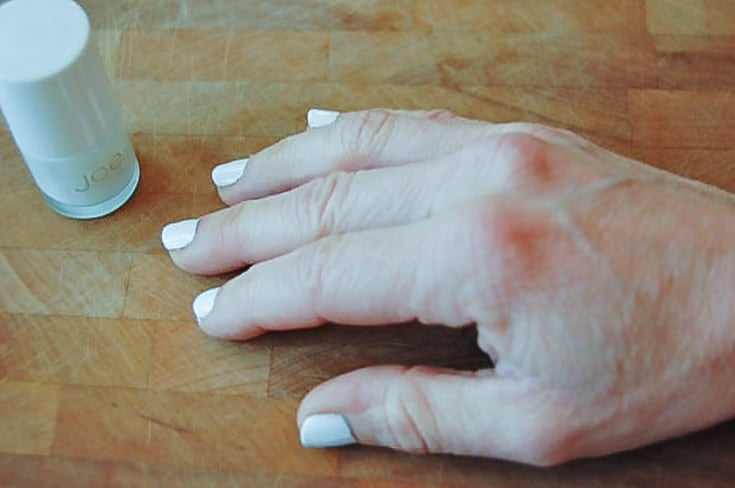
pixel 76 350
pixel 300 362
pixel 189 429
pixel 567 17
pixel 105 378
pixel 682 119
pixel 218 366
pixel 696 17
pixel 43 282
pixel 482 58
pixel 692 62
pixel 224 55
pixel 253 14
pixel 711 166
pixel 60 472
pixel 27 417
pixel 168 296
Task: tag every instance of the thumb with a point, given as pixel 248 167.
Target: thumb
pixel 432 410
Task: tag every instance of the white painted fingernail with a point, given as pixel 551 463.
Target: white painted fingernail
pixel 204 303
pixel 228 173
pixel 317 117
pixel 178 235
pixel 326 430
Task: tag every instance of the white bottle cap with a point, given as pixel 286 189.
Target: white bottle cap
pixel 54 92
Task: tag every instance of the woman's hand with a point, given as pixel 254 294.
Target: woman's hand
pixel 600 287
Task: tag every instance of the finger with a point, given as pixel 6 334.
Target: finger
pixel 362 140
pixel 356 140
pixel 257 230
pixel 427 410
pixel 316 117
pixel 372 277
pixel 339 203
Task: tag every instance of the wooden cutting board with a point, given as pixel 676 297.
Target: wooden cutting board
pixel 106 379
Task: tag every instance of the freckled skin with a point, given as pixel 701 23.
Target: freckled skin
pixel 599 286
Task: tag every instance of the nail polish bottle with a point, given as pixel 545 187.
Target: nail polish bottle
pixel 59 106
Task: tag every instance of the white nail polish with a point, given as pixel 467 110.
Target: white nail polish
pixel 204 303
pixel 228 173
pixel 317 117
pixel 326 430
pixel 178 235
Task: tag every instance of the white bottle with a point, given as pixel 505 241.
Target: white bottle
pixel 60 108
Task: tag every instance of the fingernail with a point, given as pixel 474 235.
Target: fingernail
pixel 317 117
pixel 228 173
pixel 326 430
pixel 178 235
pixel 204 303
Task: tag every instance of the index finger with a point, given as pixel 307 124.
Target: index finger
pixel 372 277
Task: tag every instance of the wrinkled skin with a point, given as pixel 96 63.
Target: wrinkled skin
pixel 600 286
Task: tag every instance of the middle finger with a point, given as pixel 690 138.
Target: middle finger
pixel 257 230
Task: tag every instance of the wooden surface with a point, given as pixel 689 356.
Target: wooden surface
pixel 106 379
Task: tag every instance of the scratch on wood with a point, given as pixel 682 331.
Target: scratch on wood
pixel 165 424
pixel 228 48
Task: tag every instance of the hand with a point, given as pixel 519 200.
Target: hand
pixel 600 287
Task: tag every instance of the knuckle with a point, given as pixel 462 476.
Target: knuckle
pixel 313 273
pixel 569 137
pixel 502 231
pixel 235 229
pixel 528 158
pixel 410 416
pixel 323 200
pixel 573 137
pixel 533 129
pixel 366 132
pixel 552 134
pixel 507 247
pixel 546 446
pixel 545 436
pixel 441 115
